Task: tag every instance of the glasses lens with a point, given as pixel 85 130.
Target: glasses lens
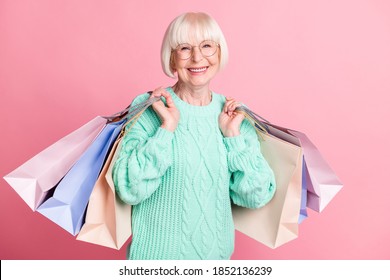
pixel 208 48
pixel 184 51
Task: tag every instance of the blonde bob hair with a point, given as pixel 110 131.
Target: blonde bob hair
pixel 187 28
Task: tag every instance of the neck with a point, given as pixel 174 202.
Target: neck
pixel 195 96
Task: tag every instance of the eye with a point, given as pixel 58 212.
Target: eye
pixel 184 48
pixel 207 45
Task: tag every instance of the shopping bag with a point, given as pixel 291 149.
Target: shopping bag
pixel 276 223
pixel 108 218
pixel 322 182
pixel 36 177
pixel 303 211
pixel 68 204
pixel 284 134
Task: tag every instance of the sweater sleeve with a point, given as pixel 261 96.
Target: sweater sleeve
pixel 144 157
pixel 252 183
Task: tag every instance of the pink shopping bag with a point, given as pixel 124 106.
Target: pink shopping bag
pixel 37 176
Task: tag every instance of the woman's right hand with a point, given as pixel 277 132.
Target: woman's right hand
pixel 168 114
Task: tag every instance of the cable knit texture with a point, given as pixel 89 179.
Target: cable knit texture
pixel 181 184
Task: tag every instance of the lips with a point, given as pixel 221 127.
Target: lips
pixel 197 70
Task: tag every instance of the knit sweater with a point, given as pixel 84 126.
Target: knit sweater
pixel 181 184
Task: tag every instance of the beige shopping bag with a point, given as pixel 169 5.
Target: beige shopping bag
pixel 276 223
pixel 108 219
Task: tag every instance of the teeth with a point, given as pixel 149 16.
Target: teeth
pixel 197 69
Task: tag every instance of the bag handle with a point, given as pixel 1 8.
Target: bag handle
pixel 256 120
pixel 134 113
pixel 131 111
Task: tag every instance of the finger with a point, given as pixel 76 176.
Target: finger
pixel 168 99
pixel 234 105
pixel 156 93
pixel 239 115
pixel 231 107
pixel 227 104
pixel 158 103
pixel 227 99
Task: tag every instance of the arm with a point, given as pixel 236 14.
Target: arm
pixel 145 156
pixel 252 183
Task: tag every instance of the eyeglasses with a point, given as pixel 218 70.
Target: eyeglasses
pixel 207 48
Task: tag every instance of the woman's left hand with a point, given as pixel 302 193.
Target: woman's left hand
pixel 230 120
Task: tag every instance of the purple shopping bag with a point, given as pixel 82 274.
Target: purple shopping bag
pixel 322 182
pixel 303 212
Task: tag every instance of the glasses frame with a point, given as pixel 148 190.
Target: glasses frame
pixel 192 49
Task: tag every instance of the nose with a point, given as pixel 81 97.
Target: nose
pixel 196 54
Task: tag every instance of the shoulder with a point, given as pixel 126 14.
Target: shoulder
pixel 148 119
pixel 219 99
pixel 140 98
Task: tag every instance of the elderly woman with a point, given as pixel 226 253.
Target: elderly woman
pixel 190 154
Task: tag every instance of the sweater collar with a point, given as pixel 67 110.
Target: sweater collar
pixel 185 108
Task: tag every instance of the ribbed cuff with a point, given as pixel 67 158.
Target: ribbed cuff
pixel 236 143
pixel 163 135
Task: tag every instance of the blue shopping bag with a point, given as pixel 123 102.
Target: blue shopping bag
pixel 303 211
pixel 68 204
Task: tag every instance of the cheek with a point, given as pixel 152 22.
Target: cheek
pixel 177 64
pixel 214 61
pixel 180 65
pixel 215 64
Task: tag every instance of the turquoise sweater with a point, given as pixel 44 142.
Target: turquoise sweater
pixel 181 184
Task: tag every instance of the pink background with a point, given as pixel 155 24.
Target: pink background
pixel 321 67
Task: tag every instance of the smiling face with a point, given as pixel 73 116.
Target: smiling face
pixel 193 29
pixel 198 70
